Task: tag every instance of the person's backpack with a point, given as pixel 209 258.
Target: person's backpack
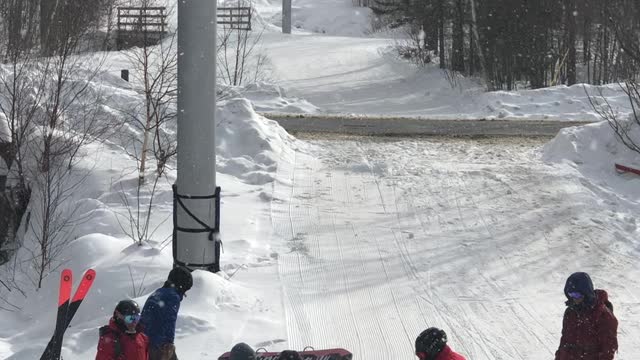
pixel 609 305
pixel 105 330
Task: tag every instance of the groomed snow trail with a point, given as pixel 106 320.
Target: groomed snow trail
pixel 385 237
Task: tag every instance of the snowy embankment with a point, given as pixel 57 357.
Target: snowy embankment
pixel 593 150
pixel 248 149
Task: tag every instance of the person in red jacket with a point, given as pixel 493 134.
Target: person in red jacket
pixel 431 344
pixel 589 328
pixel 123 339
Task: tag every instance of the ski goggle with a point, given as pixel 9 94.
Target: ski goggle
pixel 130 319
pixel 575 295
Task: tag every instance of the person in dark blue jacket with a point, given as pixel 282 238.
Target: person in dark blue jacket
pixel 160 313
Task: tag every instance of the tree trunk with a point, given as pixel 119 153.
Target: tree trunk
pixel 457 53
pixel 472 51
pixel 571 41
pixel 148 117
pixel 47 9
pixel 586 45
pixel 441 21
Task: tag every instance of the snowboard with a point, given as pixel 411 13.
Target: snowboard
pixel 328 354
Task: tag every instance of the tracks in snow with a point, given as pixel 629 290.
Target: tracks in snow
pixel 383 238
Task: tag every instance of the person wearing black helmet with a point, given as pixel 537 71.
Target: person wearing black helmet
pixel 122 338
pixel 242 351
pixel 431 344
pixel 289 355
pixel 160 313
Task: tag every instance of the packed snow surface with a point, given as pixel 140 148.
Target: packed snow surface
pixel 355 242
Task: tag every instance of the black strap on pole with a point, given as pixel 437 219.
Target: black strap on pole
pixel 204 227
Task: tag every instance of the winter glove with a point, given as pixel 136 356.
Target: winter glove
pixel 167 352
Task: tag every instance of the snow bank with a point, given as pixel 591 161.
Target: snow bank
pixel 593 150
pixel 552 103
pixel 249 147
pixel 334 17
pixel 266 97
pixel 248 144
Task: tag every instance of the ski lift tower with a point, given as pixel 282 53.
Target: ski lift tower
pixel 196 198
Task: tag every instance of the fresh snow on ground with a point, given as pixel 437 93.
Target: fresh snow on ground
pixel 356 242
pixel 593 150
pixel 478 237
pixel 341 73
pixel 364 76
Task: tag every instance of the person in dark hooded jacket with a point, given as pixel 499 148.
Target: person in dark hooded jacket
pixel 589 328
pixel 160 313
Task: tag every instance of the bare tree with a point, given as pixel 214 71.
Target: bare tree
pixel 156 67
pixel 237 61
pixel 139 206
pixel 53 213
pixel 137 290
pixel 512 43
pixel 624 129
pixel 19 104
pixel 155 78
pixel 68 118
pixel 413 46
pixel 51 112
pixel 60 20
pixel 626 31
pixel 19 26
pixel 20 97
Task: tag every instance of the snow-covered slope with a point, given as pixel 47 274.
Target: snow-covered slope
pixel 594 150
pixel 248 149
pixel 340 67
pixel 387 237
pixel 359 243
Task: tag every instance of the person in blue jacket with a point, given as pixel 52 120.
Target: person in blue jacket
pixel 160 313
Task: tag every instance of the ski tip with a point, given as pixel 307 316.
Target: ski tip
pixel 66 279
pixel 89 275
pixel 85 285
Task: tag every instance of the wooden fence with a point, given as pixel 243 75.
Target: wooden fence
pixel 141 26
pixel 236 18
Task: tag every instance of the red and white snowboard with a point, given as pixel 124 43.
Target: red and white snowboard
pixel 328 354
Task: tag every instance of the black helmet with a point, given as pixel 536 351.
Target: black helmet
pixel 289 355
pixel 431 341
pixel 129 314
pixel 180 277
pixel 242 351
pixel 128 307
